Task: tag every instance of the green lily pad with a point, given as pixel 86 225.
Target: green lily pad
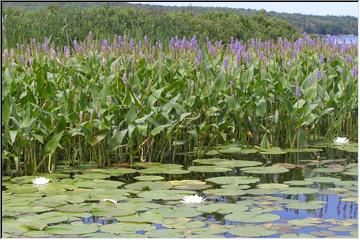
pixel 176 212
pixel 210 161
pixel 212 153
pixel 272 151
pixel 224 192
pixel 235 186
pixel 119 171
pixel 295 235
pixel 149 178
pixel 146 217
pixel 91 176
pixel 302 150
pixel 78 228
pixel 298 190
pixel 124 228
pixel 166 194
pixel 112 211
pixel 299 183
pixel 36 234
pixel 258 191
pixel 329 170
pixel 28 209
pixel 222 208
pixel 305 222
pixel 233 180
pixel 251 231
pixel 99 235
pixel 167 233
pixel 274 186
pixel 265 170
pixel 251 217
pixel 238 164
pixel 211 169
pixel 351 172
pixel 75 208
pixel 323 179
pixel 144 185
pixel 98 183
pixel 306 205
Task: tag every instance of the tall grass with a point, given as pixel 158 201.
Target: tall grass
pixel 121 100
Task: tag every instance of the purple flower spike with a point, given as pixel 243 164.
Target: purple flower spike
pixel 226 63
pixel 66 52
pixel 248 57
pixel 132 44
pixel 298 92
pixel 321 59
pixel 354 72
pixel 46 45
pixel 198 58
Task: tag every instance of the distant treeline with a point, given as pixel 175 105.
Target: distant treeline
pixel 67 22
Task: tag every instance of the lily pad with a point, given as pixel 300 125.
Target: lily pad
pixel 306 205
pixel 119 171
pixel 258 191
pixel 274 186
pixel 272 151
pixel 329 170
pixel 298 190
pixel 265 170
pixel 299 183
pixel 305 222
pixel 323 179
pixel 295 235
pixel 78 228
pixel 211 169
pixel 238 164
pixel 176 212
pixel 91 176
pixel 166 194
pixel 98 183
pixel 224 192
pixel 222 208
pixel 167 233
pixel 210 161
pixel 251 231
pixel 233 180
pixel 251 217
pixel 149 178
pixel 302 150
pixel 146 217
pixel 124 228
pixel 145 185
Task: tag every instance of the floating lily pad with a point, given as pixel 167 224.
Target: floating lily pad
pixel 167 233
pixel 188 225
pixel 305 222
pixel 75 208
pixel 238 164
pixel 306 205
pixel 298 190
pixel 222 208
pixel 98 183
pixel 175 171
pixel 233 180
pixel 212 153
pixel 274 186
pixel 99 235
pixel 149 178
pixel 146 217
pixel 299 183
pixel 302 150
pixel 323 179
pixel 257 191
pixel 144 185
pixel 28 209
pixel 211 169
pixel 350 199
pixel 265 170
pixel 166 194
pixel 272 151
pixel 251 217
pixel 351 172
pixel 112 211
pixel 251 231
pixel 36 234
pixel 123 228
pixel 224 192
pixel 210 161
pixel 295 235
pixel 91 176
pixel 329 170
pixel 176 212
pixel 119 171
pixel 78 228
pixel 236 186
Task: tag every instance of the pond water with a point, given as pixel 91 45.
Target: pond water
pixel 263 193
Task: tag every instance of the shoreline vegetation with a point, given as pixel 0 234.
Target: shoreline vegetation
pixel 131 101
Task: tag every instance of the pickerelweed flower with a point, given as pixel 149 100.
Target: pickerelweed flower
pixel 46 45
pixel 226 62
pixel 198 58
pixel 132 44
pixel 321 59
pixel 248 57
pixel 298 92
pixel 66 52
pixel 354 71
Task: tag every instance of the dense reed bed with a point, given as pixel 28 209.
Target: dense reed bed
pixel 124 100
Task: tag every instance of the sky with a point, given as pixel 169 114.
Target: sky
pixel 314 8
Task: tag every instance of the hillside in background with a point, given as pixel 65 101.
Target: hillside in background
pixel 65 21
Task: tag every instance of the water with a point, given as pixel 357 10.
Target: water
pixel 347 39
pixel 336 216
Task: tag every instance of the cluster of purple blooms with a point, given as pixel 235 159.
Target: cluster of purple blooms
pixel 241 52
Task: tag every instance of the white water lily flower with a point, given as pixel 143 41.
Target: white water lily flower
pixel 192 199
pixel 40 181
pixel 109 200
pixel 341 140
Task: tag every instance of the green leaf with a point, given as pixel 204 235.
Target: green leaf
pixel 261 107
pixel 53 143
pixel 117 139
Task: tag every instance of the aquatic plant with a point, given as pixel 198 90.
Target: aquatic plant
pixel 111 101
